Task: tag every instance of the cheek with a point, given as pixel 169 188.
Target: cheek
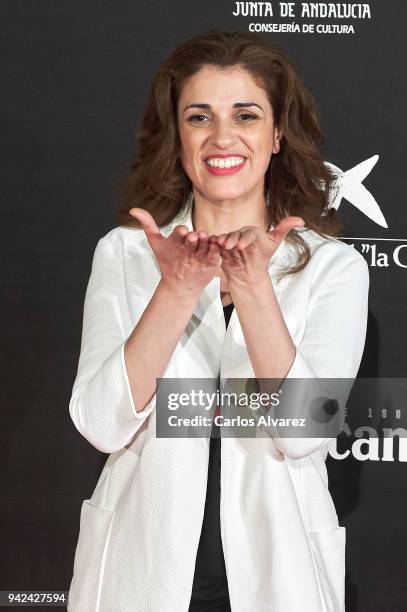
pixel 189 151
pixel 265 152
pixel 187 161
pixel 261 141
pixel 185 140
pixel 185 153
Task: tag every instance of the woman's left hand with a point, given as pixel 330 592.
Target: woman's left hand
pixel 246 253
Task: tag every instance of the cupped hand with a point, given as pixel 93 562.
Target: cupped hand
pixel 188 260
pixel 246 253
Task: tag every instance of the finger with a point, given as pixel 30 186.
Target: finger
pixel 179 233
pixel 226 255
pixel 236 255
pixel 191 241
pixel 220 239
pixel 147 222
pixel 246 238
pixel 231 240
pixel 214 250
pixel 295 222
pixel 203 245
pixel 287 224
pixel 284 227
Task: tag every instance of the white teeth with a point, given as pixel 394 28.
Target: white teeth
pixel 228 162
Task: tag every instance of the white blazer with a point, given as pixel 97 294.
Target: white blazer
pixel 139 531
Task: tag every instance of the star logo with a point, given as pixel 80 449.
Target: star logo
pixel 348 186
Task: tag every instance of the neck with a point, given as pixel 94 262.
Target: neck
pixel 223 216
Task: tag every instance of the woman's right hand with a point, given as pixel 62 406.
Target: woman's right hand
pixel 188 260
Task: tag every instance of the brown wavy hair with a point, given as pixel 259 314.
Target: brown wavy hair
pixel 297 181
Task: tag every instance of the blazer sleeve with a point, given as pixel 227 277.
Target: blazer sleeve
pixel 331 348
pixel 101 405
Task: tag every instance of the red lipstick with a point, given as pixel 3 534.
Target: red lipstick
pixel 223 171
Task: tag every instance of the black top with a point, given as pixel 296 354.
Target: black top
pixel 210 588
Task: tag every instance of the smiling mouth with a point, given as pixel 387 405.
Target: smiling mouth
pixel 225 163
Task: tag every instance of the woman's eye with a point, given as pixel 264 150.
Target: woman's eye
pixel 196 118
pixel 248 115
pixel 193 117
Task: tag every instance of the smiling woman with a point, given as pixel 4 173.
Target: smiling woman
pixel 229 137
pixel 223 269
pixel 231 97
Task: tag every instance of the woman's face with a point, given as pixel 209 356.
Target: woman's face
pixel 225 114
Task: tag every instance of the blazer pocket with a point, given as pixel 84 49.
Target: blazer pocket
pixel 90 558
pixel 328 551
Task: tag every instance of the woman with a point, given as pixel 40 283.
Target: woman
pixel 227 205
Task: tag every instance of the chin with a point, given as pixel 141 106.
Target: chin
pixel 225 193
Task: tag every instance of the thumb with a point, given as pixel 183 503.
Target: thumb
pixel 147 222
pixel 284 227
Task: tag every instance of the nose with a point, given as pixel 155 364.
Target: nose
pixel 223 134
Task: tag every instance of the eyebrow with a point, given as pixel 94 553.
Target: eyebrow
pixel 236 105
